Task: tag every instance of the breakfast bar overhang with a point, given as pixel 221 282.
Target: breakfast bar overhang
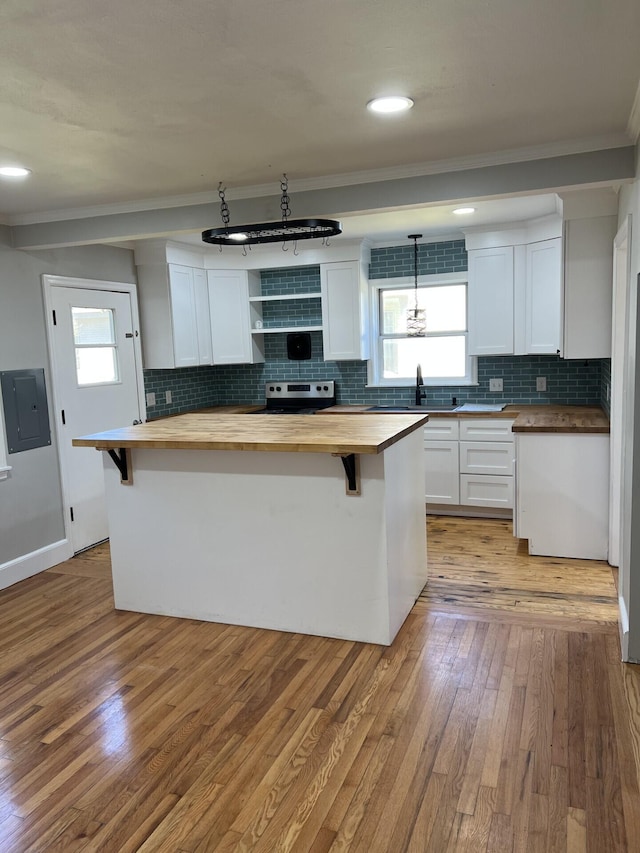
pixel 307 524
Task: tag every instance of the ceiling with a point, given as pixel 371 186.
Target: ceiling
pixel 129 102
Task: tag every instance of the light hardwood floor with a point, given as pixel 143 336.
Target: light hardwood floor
pixel 499 720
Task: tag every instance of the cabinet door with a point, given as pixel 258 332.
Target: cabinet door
pixel 441 472
pixel 183 316
pixel 203 322
pixel 588 286
pixel 344 312
pixel 230 320
pixel 491 301
pixel 543 287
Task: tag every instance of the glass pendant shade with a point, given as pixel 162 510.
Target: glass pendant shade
pixel 416 322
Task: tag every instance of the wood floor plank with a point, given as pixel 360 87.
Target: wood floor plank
pixel 499 720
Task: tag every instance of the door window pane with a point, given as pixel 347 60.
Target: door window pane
pixel 95 345
pixel 96 365
pixel 93 326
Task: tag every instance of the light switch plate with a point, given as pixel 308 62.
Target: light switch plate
pixel 541 383
pixel 495 385
pixel 151 398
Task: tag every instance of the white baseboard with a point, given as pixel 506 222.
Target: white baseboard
pixel 35 562
pixel 460 511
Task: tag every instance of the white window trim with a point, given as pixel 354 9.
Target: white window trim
pixel 4 468
pixel 374 365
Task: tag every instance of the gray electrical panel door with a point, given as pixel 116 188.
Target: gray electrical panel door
pixel 26 416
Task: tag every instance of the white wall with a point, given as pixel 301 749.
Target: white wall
pixel 30 498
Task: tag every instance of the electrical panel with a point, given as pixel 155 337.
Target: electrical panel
pixel 26 414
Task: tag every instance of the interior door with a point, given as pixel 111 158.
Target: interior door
pixel 96 389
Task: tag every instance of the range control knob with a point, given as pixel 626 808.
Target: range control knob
pixel 270 387
pixel 318 388
pixel 278 388
pixel 326 387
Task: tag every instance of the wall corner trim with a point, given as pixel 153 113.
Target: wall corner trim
pixel 34 562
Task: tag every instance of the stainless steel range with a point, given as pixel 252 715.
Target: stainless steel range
pixel 298 398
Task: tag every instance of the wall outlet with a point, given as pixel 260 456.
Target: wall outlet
pixel 495 385
pixel 151 399
pixel 167 396
pixel 541 383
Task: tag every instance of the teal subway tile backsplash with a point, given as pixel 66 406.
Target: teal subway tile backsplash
pixel 290 280
pixel 433 258
pixel 575 382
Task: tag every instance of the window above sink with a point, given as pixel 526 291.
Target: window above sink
pixel 442 352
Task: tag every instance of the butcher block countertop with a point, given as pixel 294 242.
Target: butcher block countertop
pixel 559 419
pixel 341 434
pixel 527 418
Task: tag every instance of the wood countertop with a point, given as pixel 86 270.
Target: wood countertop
pixel 527 418
pixel 561 419
pixel 341 434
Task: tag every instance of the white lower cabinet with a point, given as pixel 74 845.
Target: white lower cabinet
pixel 563 494
pixel 469 462
pixel 486 462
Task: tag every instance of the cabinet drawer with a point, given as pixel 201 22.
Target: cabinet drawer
pixel 486 429
pixel 486 490
pixel 487 457
pixel 442 429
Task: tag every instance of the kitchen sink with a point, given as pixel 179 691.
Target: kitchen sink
pixel 412 409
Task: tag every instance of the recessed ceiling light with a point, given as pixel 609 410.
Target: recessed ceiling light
pixel 463 211
pixel 14 172
pixel 393 104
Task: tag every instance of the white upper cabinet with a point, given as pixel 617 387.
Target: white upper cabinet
pixel 543 298
pixel 191 315
pixel 230 316
pixel 344 290
pixel 172 301
pixel 588 286
pixel 515 290
pixel 491 293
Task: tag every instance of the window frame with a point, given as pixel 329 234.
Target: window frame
pixel 375 378
pixel 112 345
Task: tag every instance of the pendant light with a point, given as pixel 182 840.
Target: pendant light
pixel 416 317
pixel 270 232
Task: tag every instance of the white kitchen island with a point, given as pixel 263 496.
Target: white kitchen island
pixel 253 521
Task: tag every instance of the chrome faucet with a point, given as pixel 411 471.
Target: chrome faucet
pixel 420 394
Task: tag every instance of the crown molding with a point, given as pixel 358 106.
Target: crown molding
pixel 496 158
pixel 633 128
